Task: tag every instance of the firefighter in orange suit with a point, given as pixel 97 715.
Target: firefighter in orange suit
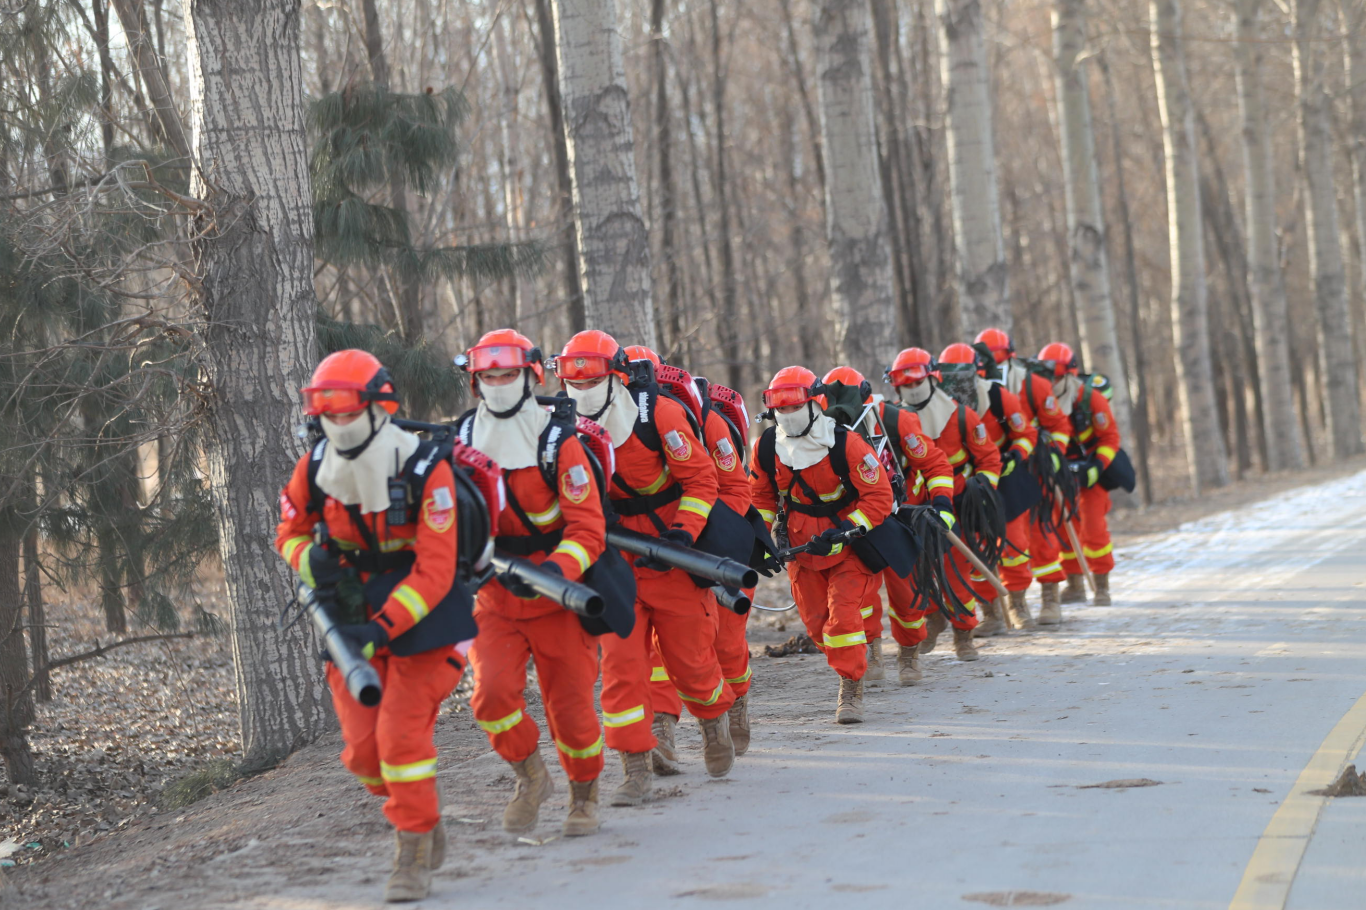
pixel 1015 437
pixel 561 528
pixel 794 462
pixel 913 374
pixel 1040 407
pixel 665 486
pixel 344 482
pixel 732 647
pixel 1094 444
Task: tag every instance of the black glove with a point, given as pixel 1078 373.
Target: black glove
pixel 673 535
pixel 1011 461
pixel 324 567
pixel 824 545
pixel 1087 472
pixel 515 586
pixel 944 506
pixel 368 637
pixel 770 567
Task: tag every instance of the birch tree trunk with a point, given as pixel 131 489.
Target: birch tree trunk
pixel 1190 317
pixel 668 188
pixel 254 262
pixel 855 215
pixel 614 246
pixel 133 18
pixel 983 279
pixel 1284 443
pixel 1089 265
pixel 1337 355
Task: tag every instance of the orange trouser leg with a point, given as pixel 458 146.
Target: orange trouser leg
pixel 499 655
pixel 1015 574
pixel 684 619
pixel 663 696
pixel 1094 532
pixel 626 702
pixel 831 602
pixel 567 664
pixel 390 747
pixel 959 572
pixel 908 622
pixel 732 648
pixel 1045 562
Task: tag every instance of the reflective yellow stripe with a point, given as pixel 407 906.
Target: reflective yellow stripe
pixel 1097 554
pixel 971 605
pixel 662 479
pixel 402 774
pixel 370 781
pixel 595 749
pixel 768 516
pixel 920 482
pixel 857 517
pixel 743 678
pixel 394 544
pixel 1024 445
pixel 958 457
pixel 991 476
pixel 1015 560
pixel 866 611
pixel 659 674
pixel 1041 571
pixel 1106 453
pixel 577 551
pixel 500 726
pixel 1062 440
pixel 623 718
pixel 831 497
pixel 693 504
pixel 1067 554
pixel 845 641
pixel 287 551
pixel 998 440
pixel 417 607
pixel 908 625
pixel 720 687
pixel 549 516
pixel 1085 434
pixel 941 483
pixel 305 570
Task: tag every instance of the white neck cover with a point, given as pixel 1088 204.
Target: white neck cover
pixel 800 452
pixel 363 480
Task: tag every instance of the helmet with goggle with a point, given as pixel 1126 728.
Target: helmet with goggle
pixel 791 386
pixel 591 355
pixel 347 382
pixel 641 352
pixel 1001 345
pixel 1060 358
pixel 503 349
pixel 964 354
pixel 911 366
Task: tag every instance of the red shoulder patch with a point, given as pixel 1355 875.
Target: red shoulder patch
pixel 915 444
pixel 1017 421
pixel 868 469
pixel 574 484
pixel 677 445
pixel 979 433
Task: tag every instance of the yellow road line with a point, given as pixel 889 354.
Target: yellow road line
pixel 1271 871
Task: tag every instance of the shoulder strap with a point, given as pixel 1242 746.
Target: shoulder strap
pixel 998 405
pixel 963 426
pixel 317 499
pixel 464 426
pixel 645 399
pixel 767 451
pixel 839 458
pixel 548 448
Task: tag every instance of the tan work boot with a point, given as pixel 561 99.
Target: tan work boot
pixel 636 788
pixel 738 717
pixel 993 623
pixel 1050 614
pixel 1102 598
pixel 411 879
pixel 718 752
pixel 934 624
pixel 850 707
pixel 1075 592
pixel 1019 612
pixel 876 674
pixel 664 756
pixel 583 809
pixel 908 665
pixel 533 787
pixel 963 646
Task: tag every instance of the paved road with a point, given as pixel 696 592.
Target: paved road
pixel 1236 645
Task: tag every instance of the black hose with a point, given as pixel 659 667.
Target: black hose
pixel 1061 494
pixel 981 520
pixel 929 579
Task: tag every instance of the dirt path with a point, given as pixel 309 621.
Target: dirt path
pixel 1217 674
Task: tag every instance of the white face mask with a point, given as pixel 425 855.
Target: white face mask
pixel 592 402
pixel 915 394
pixel 345 437
pixel 503 398
pixel 795 423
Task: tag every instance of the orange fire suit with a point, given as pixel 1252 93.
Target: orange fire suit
pixel 681 484
pixel 831 591
pixel 1040 407
pixel 390 747
pixel 1015 439
pixel 512 630
pixel 928 476
pixel 1097 439
pixel 732 648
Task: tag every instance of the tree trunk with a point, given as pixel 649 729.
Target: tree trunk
pixel 855 217
pixel 16 703
pixel 1284 442
pixel 1354 16
pixel 799 76
pixel 614 246
pixel 37 618
pixel 100 12
pixel 983 279
pixel 728 329
pixel 254 260
pixel 1190 317
pixel 133 18
pixel 668 188
pixel 807 329
pixel 559 143
pixel 1088 263
pixel 1337 355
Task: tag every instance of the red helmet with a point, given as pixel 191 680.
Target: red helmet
pixel 958 352
pixel 1061 358
pixel 1001 345
pixel 641 352
pixel 911 365
pixel 346 382
pixel 791 386
pixel 504 349
pixel 591 355
pixel 850 378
